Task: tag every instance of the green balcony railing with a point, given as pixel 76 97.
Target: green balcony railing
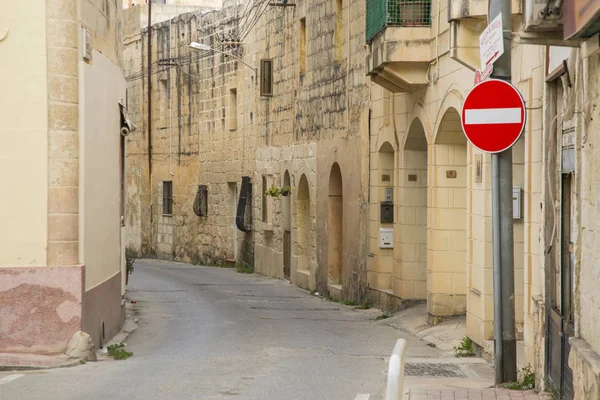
pixel 384 13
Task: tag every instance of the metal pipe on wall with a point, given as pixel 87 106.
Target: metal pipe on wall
pixel 170 106
pixel 150 106
pixel 150 90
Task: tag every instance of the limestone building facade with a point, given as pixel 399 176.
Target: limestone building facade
pixel 352 110
pixel 62 158
pixel 197 148
pixel 307 133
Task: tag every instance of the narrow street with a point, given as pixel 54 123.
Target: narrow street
pixel 212 333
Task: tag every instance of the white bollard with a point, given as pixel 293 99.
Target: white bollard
pixel 395 378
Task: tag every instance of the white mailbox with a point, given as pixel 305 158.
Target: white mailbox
pixel 516 202
pixel 386 238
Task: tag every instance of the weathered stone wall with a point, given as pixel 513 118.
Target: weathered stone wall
pixel 304 128
pixel 316 118
pixel 193 141
pixel 584 357
pixel 587 303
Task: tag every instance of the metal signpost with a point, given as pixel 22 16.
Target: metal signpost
pixel 493 118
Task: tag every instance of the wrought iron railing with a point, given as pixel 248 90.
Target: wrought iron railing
pixel 384 13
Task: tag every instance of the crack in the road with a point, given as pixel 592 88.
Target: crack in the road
pixel 271 297
pixel 157 290
pixel 312 319
pixel 294 309
pixel 231 284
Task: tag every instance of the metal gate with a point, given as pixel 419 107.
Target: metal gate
pixel 560 324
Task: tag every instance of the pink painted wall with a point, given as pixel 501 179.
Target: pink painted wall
pixel 40 308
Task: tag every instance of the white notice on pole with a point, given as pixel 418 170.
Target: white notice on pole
pixel 491 43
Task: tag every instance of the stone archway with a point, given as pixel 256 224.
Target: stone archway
pixel 303 226
pixel 384 191
pixel 286 206
pixel 446 260
pixel 412 282
pixel 335 229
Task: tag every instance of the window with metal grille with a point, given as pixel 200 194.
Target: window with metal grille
pixel 266 77
pixel 201 201
pixel 167 198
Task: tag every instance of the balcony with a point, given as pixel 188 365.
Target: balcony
pixel 398 35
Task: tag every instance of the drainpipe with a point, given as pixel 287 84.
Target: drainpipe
pixel 170 108
pixel 150 107
pixel 437 41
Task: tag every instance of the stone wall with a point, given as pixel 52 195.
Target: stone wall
pixel 304 128
pixel 584 358
pixel 193 140
pixel 315 120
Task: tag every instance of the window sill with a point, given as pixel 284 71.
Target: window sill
pixel 167 215
pixel 266 226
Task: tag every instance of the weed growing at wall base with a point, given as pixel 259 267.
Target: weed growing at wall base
pixel 465 348
pixel 118 352
pixel 527 381
pixel 244 269
pixel 365 305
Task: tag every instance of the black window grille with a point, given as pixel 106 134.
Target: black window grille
pixel 167 198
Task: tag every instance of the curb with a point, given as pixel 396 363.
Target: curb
pixel 20 367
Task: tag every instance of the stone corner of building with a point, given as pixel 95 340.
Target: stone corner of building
pixel 585 364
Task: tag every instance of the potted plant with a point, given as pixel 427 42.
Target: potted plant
pixel 276 192
pixel 273 192
pixel 130 257
pixel 286 190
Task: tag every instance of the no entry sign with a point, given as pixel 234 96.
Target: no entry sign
pixel 493 116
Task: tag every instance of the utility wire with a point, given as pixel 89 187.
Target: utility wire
pixel 252 18
pixel 183 60
pixel 255 21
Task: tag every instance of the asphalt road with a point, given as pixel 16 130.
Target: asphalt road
pixel 212 333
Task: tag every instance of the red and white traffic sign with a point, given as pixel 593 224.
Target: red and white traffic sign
pixel 493 116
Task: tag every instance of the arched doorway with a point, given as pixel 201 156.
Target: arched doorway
pixel 413 235
pixel 447 263
pixel 303 227
pixel 385 188
pixel 286 205
pixel 335 230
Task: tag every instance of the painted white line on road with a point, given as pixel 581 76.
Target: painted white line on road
pixel 493 116
pixel 10 378
pixel 362 397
